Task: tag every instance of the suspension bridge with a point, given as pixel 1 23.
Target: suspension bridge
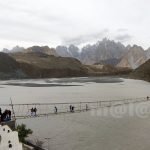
pixel 23 111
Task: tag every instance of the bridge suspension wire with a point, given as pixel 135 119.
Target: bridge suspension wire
pixel 23 111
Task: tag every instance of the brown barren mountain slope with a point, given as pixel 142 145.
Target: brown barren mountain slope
pixel 39 65
pixel 143 72
pixel 9 67
pixel 104 69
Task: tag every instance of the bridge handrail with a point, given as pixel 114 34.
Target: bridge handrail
pixel 83 102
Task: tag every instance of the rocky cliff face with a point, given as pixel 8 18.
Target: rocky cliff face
pixel 105 51
pixel 71 51
pixel 63 51
pixel 102 51
pixel 74 51
pixel 133 58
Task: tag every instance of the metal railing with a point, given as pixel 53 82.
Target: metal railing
pixel 22 111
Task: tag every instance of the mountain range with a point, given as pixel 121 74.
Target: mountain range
pixel 44 62
pixel 108 52
pixel 103 52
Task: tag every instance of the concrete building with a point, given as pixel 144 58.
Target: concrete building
pixel 9 139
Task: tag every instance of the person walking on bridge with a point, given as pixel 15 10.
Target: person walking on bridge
pixel 35 110
pixel 70 108
pixel 55 110
pixel 0 114
pixel 86 107
pixel 32 111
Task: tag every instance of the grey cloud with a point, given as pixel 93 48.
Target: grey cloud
pixel 122 30
pixel 73 21
pixel 84 38
pixel 123 37
pixel 38 13
pixel 23 31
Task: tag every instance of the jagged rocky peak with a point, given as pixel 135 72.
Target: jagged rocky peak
pixel 13 50
pixel 5 50
pixel 102 50
pixel 17 49
pixel 71 51
pixel 136 47
pixel 42 49
pixel 62 51
pixel 74 51
pixel 128 47
pixel 133 58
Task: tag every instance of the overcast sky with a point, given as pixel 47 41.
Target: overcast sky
pixel 54 22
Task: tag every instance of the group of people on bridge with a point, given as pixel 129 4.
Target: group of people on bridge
pixel 33 111
pixel 5 116
pixel 71 109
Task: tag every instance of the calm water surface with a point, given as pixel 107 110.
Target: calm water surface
pixel 71 90
pixel 83 131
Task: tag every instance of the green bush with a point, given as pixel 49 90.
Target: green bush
pixel 23 132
